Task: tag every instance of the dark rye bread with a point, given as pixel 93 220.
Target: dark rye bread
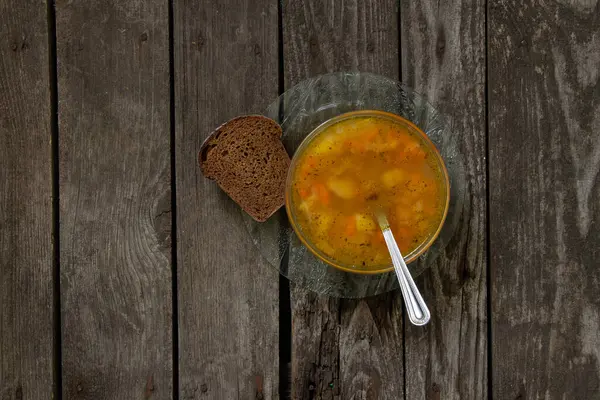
pixel 246 158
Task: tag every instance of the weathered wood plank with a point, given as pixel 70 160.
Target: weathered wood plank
pixel 350 349
pixel 26 268
pixel 115 208
pixel 544 111
pixel 443 57
pixel 225 65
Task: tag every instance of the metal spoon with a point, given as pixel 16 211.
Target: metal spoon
pixel 418 313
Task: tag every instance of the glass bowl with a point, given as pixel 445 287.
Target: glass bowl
pixel 303 108
pixel 305 239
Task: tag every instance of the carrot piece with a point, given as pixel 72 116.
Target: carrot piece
pixel 322 193
pixel 304 193
pixel 402 232
pixel 350 228
pixel 370 135
pixel 418 154
pixel 391 136
pixel 403 245
pixel 415 150
pixel 359 146
pixel 378 237
pixel 354 145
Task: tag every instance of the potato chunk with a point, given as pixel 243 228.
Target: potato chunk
pixel 327 145
pixel 393 177
pixel 364 223
pixel 344 188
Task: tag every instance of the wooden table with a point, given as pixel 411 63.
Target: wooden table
pixel 126 275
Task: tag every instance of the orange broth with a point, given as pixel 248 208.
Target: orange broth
pixel 356 166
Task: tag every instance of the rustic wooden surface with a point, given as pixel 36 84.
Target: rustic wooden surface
pixel 149 312
pixel 343 349
pixel 26 259
pixel 544 144
pixel 443 57
pixel 225 65
pixel 115 199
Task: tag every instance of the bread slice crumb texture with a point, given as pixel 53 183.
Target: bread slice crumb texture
pixel 246 157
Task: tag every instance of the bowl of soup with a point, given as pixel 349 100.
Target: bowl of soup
pixel 352 167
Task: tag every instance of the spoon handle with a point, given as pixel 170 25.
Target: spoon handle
pixel 418 313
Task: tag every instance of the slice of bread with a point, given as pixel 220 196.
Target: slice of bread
pixel 246 158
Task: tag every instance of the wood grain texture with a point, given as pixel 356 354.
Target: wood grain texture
pixel 115 208
pixel 225 65
pixel 443 57
pixel 544 110
pixel 26 268
pixel 343 349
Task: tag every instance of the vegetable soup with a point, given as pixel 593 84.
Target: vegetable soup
pixel 353 166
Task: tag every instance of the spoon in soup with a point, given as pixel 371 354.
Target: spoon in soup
pixel 418 313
